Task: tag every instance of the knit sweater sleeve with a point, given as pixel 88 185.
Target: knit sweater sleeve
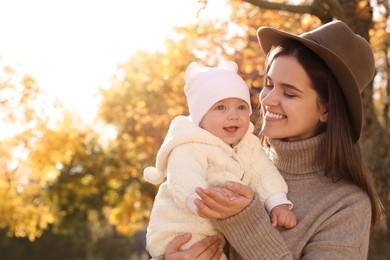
pixel 251 234
pixel 339 232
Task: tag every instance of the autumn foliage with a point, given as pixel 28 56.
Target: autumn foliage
pixel 61 176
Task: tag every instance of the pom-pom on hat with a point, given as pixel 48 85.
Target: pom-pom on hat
pixel 152 175
pixel 206 86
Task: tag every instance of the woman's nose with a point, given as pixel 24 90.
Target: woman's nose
pixel 268 97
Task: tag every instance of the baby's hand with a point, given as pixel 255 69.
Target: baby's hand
pixel 282 216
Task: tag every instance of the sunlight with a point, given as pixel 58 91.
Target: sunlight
pixel 73 47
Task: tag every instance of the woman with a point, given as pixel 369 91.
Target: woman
pixel 312 123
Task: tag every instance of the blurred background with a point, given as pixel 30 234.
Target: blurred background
pixel 87 91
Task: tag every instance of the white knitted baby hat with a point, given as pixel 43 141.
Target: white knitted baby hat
pixel 206 86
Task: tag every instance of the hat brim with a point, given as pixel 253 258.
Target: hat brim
pixel 269 37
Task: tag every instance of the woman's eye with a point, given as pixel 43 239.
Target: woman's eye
pixel 288 94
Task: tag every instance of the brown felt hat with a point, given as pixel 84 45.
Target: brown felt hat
pixel 348 56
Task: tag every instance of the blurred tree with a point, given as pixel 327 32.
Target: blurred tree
pixel 24 112
pixel 76 158
pixel 54 183
pixel 42 145
pixel 146 93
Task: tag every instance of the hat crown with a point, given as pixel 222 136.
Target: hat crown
pixel 355 53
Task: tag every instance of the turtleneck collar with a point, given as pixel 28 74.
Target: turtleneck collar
pixel 303 156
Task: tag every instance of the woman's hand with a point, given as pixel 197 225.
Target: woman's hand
pixel 221 203
pixel 206 249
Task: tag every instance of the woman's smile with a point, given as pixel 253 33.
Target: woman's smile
pixel 274 116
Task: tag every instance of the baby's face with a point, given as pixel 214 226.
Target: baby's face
pixel 227 119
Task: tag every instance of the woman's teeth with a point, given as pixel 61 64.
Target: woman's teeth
pixel 272 115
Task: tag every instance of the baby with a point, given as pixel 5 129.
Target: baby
pixel 215 143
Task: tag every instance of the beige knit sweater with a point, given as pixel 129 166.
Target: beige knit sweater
pixel 333 218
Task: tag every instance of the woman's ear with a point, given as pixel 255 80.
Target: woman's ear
pixel 323 109
pixel 324 116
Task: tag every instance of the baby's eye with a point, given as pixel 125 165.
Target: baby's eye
pixel 242 107
pixel 220 107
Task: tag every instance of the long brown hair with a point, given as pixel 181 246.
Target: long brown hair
pixel 342 152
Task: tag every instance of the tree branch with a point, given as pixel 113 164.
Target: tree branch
pixel 302 9
pixel 336 9
pixel 325 10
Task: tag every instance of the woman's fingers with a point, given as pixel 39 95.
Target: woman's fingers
pixel 214 197
pixel 207 206
pixel 221 203
pixel 241 189
pixel 177 243
pixel 206 249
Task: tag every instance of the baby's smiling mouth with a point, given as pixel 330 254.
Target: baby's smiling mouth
pixel 231 128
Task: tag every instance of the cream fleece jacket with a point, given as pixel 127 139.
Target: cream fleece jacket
pixel 192 157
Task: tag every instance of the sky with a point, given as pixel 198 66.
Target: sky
pixel 72 47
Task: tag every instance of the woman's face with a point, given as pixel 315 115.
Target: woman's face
pixel 289 104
